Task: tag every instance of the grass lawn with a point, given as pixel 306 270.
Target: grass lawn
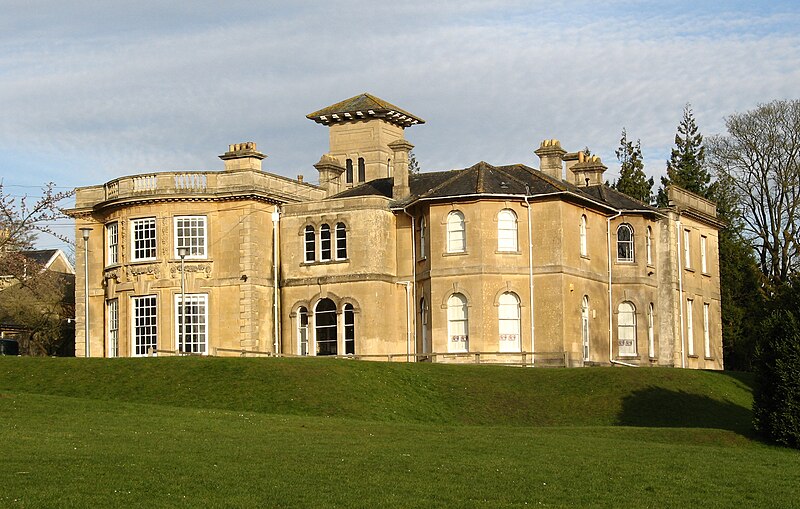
pixel 324 433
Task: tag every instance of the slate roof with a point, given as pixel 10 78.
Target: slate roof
pixel 361 107
pixel 39 256
pixel 485 179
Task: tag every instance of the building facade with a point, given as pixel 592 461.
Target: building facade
pixel 507 264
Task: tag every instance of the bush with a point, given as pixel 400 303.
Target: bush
pixel 776 400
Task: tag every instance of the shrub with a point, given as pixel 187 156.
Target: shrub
pixel 776 400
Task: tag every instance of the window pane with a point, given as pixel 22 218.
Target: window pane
pixel 458 325
pixel 112 241
pixel 456 241
pixel 626 329
pixel 326 329
pixel 324 242
pixel 341 241
pixel 506 231
pixel 190 233
pixel 145 326
pixel 112 317
pixel 310 244
pixel 349 330
pixel 509 314
pixel 190 325
pixel 143 239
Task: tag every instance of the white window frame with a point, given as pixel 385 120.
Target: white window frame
pixel 196 326
pixel 508 317
pixel 142 340
pixel 302 330
pixel 112 243
pixel 325 243
pixel 457 323
pixel 349 329
pixel 148 244
pixel 507 241
pixel 112 327
pixel 651 334
pixel 687 253
pixel 456 232
pixel 703 260
pixel 341 241
pixel 689 327
pixel 649 245
pixel 309 244
pixel 584 247
pixel 631 255
pixel 626 329
pixel 706 331
pixel 334 326
pixel 585 327
pixel 195 242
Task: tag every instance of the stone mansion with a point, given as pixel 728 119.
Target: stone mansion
pixel 508 263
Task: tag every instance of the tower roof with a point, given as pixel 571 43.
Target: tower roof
pixel 362 107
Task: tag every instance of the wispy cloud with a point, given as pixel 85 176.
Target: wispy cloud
pixel 116 89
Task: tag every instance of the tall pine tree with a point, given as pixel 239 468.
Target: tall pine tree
pixel 685 167
pixel 632 180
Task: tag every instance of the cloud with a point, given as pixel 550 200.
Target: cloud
pixel 115 89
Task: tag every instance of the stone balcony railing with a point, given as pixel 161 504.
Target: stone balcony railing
pixel 193 183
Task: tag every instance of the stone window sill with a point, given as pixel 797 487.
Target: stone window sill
pixel 508 252
pixel 326 262
pixel 460 253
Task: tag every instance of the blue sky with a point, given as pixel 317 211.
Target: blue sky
pixel 93 90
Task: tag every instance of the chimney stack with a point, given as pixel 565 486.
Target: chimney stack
pixel 588 171
pixel 401 148
pixel 329 170
pixel 550 154
pixel 242 156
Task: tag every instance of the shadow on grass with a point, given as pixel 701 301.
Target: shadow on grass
pixel 665 408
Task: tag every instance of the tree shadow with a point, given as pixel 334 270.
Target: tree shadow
pixel 664 408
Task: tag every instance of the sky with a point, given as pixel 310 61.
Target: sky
pixel 93 90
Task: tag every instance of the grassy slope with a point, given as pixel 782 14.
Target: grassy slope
pixel 425 393
pixel 326 433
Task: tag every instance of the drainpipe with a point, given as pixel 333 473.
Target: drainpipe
pixel 530 271
pixel 276 216
pixel 610 302
pixel 679 233
pixel 413 276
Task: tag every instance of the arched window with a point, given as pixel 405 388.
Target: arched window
pixel 362 170
pixel 626 329
pixel 423 319
pixel 625 243
pixel 324 243
pixel 349 330
pixel 585 326
pixel 325 327
pixel 506 230
pixel 651 335
pixel 649 245
pixel 310 243
pixel 341 241
pixel 348 172
pixel 584 250
pixel 456 235
pixel 302 331
pixel 422 234
pixel 457 323
pixel 508 314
